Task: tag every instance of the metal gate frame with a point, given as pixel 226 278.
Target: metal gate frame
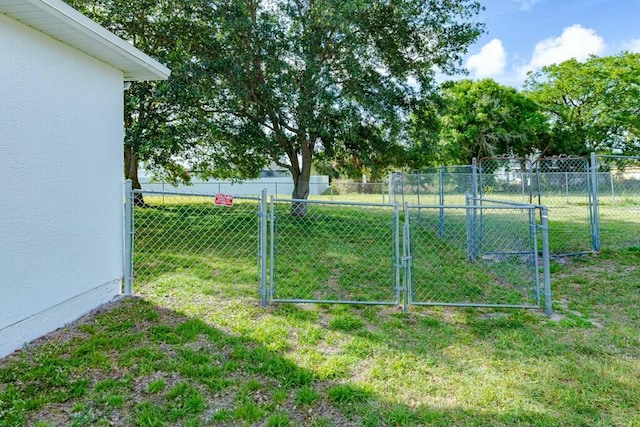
pixel 473 228
pixel 396 264
pixel 129 233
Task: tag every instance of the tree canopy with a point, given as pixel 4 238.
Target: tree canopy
pixel 162 120
pixel 592 105
pixel 259 81
pixel 483 118
pixel 294 78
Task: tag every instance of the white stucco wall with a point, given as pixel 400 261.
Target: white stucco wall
pixel 61 177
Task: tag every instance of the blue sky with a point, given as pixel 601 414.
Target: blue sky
pixel 524 35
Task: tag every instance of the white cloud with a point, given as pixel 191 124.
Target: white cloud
pixel 632 45
pixel 526 4
pixel 574 42
pixel 489 62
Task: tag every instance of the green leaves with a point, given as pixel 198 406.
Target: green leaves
pixel 257 81
pixel 592 105
pixel 483 118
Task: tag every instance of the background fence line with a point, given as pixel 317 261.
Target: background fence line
pixel 593 203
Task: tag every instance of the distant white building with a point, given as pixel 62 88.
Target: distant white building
pixel 276 182
pixel 61 165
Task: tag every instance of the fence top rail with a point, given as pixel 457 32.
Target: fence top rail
pixel 186 194
pixel 507 202
pixel 611 156
pixel 333 202
pixel 499 207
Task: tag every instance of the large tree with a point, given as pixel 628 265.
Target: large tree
pixel 164 127
pixel 279 81
pixel 294 78
pixel 592 105
pixel 483 118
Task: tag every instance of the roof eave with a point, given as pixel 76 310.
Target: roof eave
pixel 98 42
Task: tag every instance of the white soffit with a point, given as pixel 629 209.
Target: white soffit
pixel 61 22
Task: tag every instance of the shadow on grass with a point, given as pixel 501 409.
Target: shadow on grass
pixel 493 367
pixel 358 365
pixel 136 363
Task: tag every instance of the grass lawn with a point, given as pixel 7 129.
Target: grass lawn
pixel 194 348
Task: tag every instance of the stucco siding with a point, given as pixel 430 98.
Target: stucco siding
pixel 61 172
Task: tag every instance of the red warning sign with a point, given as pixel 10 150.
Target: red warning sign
pixel 223 199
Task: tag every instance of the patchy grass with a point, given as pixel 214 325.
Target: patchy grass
pixel 194 348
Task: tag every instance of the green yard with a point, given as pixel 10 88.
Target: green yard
pixel 195 348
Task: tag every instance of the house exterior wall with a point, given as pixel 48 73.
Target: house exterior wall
pixel 61 166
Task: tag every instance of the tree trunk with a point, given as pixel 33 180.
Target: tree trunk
pixel 131 172
pixel 300 191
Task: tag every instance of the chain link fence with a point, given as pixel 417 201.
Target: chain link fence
pixel 506 178
pixel 484 253
pixel 338 252
pixel 618 199
pixel 330 251
pixel 467 235
pixel 436 185
pixel 184 239
pixel 562 184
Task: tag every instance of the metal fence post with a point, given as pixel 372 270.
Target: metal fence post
pixel 545 260
pixel 474 201
pixel 272 247
pixel 407 280
pixel 469 223
pixel 263 247
pixel 533 226
pixel 613 191
pixel 399 263
pixel 441 199
pixel 474 178
pixel 128 238
pixel 595 226
pixel 401 175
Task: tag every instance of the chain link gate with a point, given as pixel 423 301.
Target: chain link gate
pixel 561 183
pixel 336 252
pixel 616 187
pixel 187 239
pixel 331 252
pixel 486 255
